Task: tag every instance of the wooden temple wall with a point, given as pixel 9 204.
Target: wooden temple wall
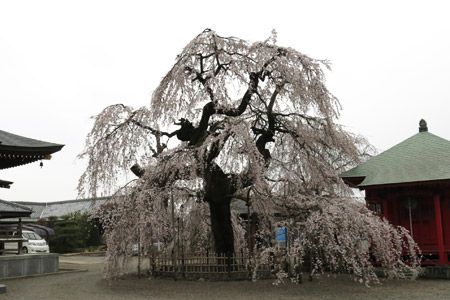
pixel 429 216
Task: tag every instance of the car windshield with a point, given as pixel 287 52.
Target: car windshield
pixel 31 236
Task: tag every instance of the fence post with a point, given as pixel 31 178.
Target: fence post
pixel 19 234
pixel 229 264
pixel 139 254
pixel 153 264
pixel 298 270
pixel 310 278
pixel 249 266
pixel 183 267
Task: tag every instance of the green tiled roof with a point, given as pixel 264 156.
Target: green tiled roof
pixel 422 157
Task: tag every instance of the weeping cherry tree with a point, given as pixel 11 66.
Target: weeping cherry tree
pixel 233 119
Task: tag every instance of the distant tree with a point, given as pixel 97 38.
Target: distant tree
pixel 94 232
pixel 229 120
pixel 68 235
pixel 74 232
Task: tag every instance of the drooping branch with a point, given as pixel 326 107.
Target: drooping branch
pixel 152 130
pixel 131 119
pixel 284 101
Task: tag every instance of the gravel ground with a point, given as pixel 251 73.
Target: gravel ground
pixel 91 285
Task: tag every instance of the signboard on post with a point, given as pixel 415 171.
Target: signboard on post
pixel 281 234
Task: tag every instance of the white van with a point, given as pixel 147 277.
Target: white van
pixel 35 243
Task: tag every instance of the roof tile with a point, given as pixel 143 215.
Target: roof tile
pixel 422 157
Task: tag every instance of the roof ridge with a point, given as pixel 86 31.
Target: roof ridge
pixel 64 201
pixel 16 205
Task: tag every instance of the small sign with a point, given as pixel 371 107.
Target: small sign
pixel 280 234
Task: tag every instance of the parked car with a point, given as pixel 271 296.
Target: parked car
pixel 35 243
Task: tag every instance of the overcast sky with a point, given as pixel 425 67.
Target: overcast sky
pixel 64 61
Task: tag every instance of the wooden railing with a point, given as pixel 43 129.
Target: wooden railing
pixel 208 266
pixel 11 233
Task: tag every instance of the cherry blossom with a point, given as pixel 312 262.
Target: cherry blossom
pixel 238 120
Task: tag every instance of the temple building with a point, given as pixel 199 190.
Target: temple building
pixel 409 185
pixel 15 151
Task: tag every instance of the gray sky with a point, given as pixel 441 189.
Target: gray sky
pixel 64 61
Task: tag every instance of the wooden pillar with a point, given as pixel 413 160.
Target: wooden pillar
pixel 443 259
pixel 396 212
pixel 385 209
pixel 19 235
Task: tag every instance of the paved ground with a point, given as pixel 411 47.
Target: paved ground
pixel 90 285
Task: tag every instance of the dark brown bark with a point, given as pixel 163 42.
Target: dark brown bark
pixel 137 170
pixel 219 188
pixel 221 226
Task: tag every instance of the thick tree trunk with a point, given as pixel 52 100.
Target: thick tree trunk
pixel 219 188
pixel 221 227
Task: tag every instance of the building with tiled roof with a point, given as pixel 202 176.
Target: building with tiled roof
pixel 13 210
pixel 16 150
pixel 423 157
pixel 409 185
pixel 60 208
